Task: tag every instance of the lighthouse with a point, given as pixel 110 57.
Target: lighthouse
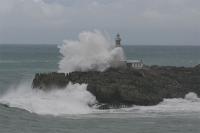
pixel 118 40
pixel 135 64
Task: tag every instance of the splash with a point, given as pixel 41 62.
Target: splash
pixel 74 99
pixel 93 51
pixel 192 97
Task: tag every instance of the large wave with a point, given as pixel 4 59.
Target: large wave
pixel 74 99
pixel 93 51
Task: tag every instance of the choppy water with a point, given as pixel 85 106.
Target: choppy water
pixel 19 63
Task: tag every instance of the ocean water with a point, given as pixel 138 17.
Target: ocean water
pixel 66 111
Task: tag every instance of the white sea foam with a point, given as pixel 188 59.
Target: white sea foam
pixel 74 99
pixel 93 51
pixel 191 103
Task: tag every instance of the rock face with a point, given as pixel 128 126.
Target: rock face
pixel 129 86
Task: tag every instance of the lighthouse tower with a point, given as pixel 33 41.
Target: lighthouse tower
pixel 118 40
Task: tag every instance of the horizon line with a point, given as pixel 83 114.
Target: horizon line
pixel 122 45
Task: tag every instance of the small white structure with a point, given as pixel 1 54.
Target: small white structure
pixel 136 64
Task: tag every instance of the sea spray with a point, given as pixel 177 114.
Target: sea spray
pixel 74 99
pixel 192 97
pixel 93 51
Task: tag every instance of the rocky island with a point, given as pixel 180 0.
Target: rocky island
pixel 116 87
pixel 130 83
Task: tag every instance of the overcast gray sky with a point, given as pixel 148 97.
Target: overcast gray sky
pixel 148 22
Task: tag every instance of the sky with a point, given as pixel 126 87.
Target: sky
pixel 140 22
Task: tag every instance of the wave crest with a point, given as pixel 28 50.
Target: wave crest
pixel 74 99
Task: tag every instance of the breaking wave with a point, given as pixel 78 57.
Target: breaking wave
pixel 93 51
pixel 74 99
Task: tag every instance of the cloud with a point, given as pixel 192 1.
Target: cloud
pixel 140 21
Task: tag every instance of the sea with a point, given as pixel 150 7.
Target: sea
pixel 23 110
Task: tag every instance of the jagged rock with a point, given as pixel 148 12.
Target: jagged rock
pixel 116 87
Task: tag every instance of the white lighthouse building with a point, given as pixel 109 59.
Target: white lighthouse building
pixel 136 64
pixel 118 40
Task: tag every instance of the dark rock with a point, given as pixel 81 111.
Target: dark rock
pixel 116 87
